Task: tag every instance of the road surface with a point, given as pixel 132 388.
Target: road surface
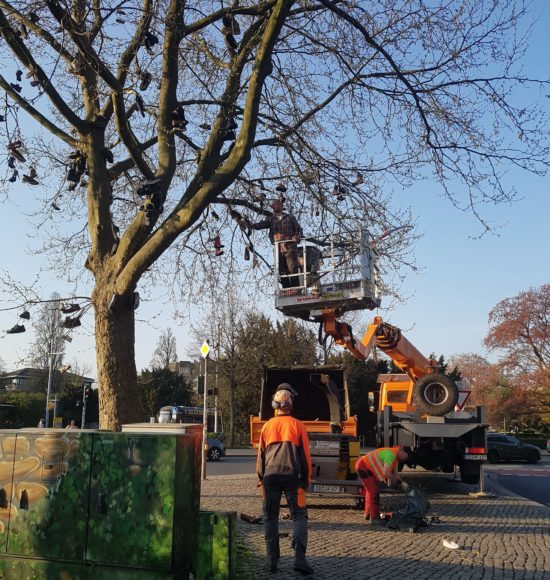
pixel 529 481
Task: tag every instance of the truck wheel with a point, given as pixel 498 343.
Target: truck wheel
pixel 435 394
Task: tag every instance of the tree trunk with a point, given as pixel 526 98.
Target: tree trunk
pixel 116 367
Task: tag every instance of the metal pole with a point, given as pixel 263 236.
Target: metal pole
pixel 205 420
pixel 50 369
pixel 216 390
pixel 83 419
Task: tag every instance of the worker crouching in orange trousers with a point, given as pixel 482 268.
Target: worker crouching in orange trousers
pixel 378 466
pixel 284 466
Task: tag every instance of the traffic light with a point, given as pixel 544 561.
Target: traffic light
pixel 198 383
pixel 87 392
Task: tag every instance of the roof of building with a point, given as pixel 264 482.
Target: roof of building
pixel 31 373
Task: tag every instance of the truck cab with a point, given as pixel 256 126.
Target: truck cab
pixel 396 390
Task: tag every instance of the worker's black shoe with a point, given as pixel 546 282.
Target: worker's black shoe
pixel 272 564
pixel 303 567
pixel 300 562
pixel 378 522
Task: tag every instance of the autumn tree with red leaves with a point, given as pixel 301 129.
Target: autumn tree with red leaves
pixel 519 331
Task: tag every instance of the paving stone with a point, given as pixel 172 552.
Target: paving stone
pixel 500 538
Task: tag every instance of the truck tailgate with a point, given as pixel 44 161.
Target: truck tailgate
pixel 349 428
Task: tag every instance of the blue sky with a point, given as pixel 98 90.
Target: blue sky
pixel 460 277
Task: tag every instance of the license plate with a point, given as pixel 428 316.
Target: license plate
pixel 476 457
pixel 326 488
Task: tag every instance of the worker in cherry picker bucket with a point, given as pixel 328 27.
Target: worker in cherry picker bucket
pixel 285 231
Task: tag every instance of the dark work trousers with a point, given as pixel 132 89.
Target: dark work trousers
pixel 288 264
pixel 372 492
pixel 273 488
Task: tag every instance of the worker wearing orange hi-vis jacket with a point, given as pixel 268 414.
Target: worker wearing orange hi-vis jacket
pixel 284 465
pixel 378 466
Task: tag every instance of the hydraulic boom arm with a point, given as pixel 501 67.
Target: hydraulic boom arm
pixel 387 338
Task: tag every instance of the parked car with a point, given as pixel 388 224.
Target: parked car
pixel 548 446
pixel 216 449
pixel 504 447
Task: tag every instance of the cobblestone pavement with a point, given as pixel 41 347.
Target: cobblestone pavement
pixel 500 537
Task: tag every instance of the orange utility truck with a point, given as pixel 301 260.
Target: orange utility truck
pixel 420 408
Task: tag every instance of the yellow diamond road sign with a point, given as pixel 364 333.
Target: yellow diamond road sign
pixel 205 349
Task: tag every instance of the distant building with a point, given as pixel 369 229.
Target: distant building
pixel 185 368
pixel 31 380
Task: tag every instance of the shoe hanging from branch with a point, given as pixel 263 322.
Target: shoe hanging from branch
pixel 16 329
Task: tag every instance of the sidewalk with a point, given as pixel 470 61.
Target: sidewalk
pixel 501 537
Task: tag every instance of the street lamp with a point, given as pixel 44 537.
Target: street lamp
pixel 86 391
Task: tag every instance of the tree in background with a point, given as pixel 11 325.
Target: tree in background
pixel 260 342
pixel 147 123
pixel 444 366
pixel 479 375
pixel 490 388
pixel 293 343
pixel 243 342
pixel 166 351
pixel 161 387
pixel 49 342
pixel 225 310
pixel 24 410
pixel 519 331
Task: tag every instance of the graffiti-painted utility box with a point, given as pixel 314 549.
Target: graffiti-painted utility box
pixel 89 500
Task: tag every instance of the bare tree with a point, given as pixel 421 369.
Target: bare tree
pixel 165 352
pixel 49 340
pixel 161 115
pixel 219 325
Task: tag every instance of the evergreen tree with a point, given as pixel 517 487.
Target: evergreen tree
pixel 161 387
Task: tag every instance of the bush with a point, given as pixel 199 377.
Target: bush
pixel 27 410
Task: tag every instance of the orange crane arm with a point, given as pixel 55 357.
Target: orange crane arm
pixel 387 338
